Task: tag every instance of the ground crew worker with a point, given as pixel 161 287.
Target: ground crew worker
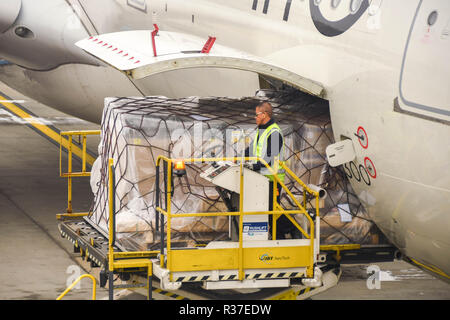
pixel 268 144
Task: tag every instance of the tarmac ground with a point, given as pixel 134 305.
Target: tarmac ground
pixel 38 264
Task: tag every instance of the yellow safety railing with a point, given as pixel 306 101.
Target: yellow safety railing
pixel 94 286
pixel 124 260
pixel 223 258
pixel 112 256
pixel 81 153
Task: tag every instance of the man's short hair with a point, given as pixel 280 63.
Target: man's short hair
pixel 265 107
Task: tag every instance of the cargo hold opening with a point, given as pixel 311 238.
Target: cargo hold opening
pixel 136 130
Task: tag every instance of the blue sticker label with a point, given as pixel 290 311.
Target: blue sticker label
pixel 255 227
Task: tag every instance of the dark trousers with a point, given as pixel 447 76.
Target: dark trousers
pixel 271 183
pixel 284 225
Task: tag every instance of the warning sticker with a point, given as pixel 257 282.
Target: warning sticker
pixel 362 137
pixel 370 167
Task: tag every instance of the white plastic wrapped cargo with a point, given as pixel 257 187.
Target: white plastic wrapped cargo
pixel 135 131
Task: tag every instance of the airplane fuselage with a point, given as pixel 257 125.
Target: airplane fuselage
pixel 383 65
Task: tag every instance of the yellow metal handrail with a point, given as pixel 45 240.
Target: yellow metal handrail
pixel 174 262
pixel 111 216
pixel 277 209
pixel 94 286
pixel 304 186
pixel 111 254
pixel 81 153
pixel 121 260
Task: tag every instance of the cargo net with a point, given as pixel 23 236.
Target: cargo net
pixel 135 131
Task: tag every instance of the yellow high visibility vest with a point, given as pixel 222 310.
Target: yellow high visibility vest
pixel 260 147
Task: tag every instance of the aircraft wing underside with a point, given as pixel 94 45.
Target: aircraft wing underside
pixel 139 54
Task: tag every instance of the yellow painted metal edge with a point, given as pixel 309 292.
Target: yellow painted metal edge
pixel 111 213
pixel 81 132
pixel 339 247
pixel 131 263
pixel 61 216
pixel 94 286
pixel 75 174
pixel 135 254
pixel 227 213
pixel 431 268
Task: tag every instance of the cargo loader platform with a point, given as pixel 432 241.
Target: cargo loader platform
pixel 92 245
pixel 252 264
pixel 269 267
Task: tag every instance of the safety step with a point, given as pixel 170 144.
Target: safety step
pixel 132 263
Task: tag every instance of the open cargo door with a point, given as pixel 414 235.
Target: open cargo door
pixel 142 53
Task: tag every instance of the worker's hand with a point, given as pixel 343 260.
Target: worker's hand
pixel 248 165
pixel 257 166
